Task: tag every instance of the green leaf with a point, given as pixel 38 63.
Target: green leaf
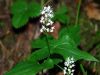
pixel 19 7
pixel 73 32
pixel 47 64
pixel 41 42
pixel 19 20
pixel 34 9
pixel 60 15
pixel 61 10
pixel 38 43
pixel 61 18
pixel 39 54
pixel 67 47
pixel 19 11
pixel 32 68
pixel 56 60
pixel 22 11
pixel 50 62
pixel 25 68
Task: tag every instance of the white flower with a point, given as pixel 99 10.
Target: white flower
pixel 69 65
pixel 45 20
pixel 50 11
pixel 73 71
pixel 52 29
pixel 64 72
pixel 42 20
pixel 47 30
pixel 51 22
pixel 48 24
pixel 41 30
pixel 46 15
pixel 42 12
pixel 66 63
pixel 65 68
pixel 69 70
pixel 46 10
pixel 71 74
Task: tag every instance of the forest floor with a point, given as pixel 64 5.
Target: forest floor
pixel 14 44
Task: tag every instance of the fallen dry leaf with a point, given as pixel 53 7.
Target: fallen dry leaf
pixel 92 11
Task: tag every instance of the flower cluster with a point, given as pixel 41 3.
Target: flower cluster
pixel 69 66
pixel 45 20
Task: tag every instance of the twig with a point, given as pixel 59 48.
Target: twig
pixel 4 16
pixel 4 49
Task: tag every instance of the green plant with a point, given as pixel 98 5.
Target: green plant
pixel 22 11
pixel 83 71
pixel 65 45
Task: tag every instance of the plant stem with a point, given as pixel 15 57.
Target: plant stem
pixel 47 41
pixel 59 67
pixel 78 11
